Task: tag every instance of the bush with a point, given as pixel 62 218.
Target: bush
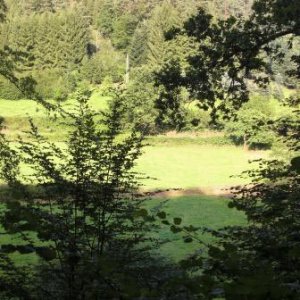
pixel 252 125
pixel 54 84
pixel 90 228
pixel 105 62
pixel 213 140
pixel 196 119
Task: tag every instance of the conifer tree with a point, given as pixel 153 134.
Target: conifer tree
pixel 106 17
pixel 22 38
pixel 123 29
pixel 163 18
pixel 72 38
pixel 138 49
pixel 46 41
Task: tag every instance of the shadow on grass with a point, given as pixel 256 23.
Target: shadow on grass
pixel 221 191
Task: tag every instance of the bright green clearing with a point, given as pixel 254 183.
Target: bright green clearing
pixel 194 166
pixel 17 114
pixel 175 163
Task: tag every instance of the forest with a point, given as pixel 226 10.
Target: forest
pixel 149 149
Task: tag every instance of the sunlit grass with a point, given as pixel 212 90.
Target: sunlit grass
pixel 194 166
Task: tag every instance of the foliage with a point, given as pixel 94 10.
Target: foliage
pixel 52 40
pixel 163 18
pixel 196 119
pixel 106 17
pixel 253 124
pixel 12 281
pixel 45 45
pixel 261 260
pixel 106 62
pixel 282 63
pixel 141 94
pixel 138 47
pixel 9 91
pixel 90 229
pixel 54 84
pixel 8 63
pixel 227 52
pixel 123 29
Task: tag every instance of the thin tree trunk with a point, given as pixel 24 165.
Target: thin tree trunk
pixel 246 148
pixel 127 69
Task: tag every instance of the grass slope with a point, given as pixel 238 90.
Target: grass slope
pixel 199 211
pixel 194 166
pixel 174 163
pixel 17 113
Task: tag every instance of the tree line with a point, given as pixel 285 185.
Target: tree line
pixel 67 44
pixel 67 37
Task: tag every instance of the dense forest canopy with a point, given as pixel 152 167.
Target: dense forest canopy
pixel 66 38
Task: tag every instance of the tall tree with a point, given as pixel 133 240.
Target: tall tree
pixel 227 51
pixel 138 47
pixel 73 38
pixel 123 30
pixel 163 18
pixel 90 227
pixel 8 62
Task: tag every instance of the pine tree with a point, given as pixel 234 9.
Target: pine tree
pixel 163 18
pixel 123 29
pixel 138 49
pixel 72 39
pixel 22 37
pixel 106 17
pixel 46 55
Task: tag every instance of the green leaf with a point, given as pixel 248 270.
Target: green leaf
pixel 177 221
pixel 175 229
pixel 188 240
pixel 162 215
pixel 295 162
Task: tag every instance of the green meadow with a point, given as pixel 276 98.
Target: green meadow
pixel 198 170
pixel 191 166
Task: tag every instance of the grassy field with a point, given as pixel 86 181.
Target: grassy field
pixel 201 172
pixel 17 113
pixel 192 166
pixel 170 163
pixel 199 211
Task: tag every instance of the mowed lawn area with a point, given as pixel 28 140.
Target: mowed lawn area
pixel 200 170
pixel 191 166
